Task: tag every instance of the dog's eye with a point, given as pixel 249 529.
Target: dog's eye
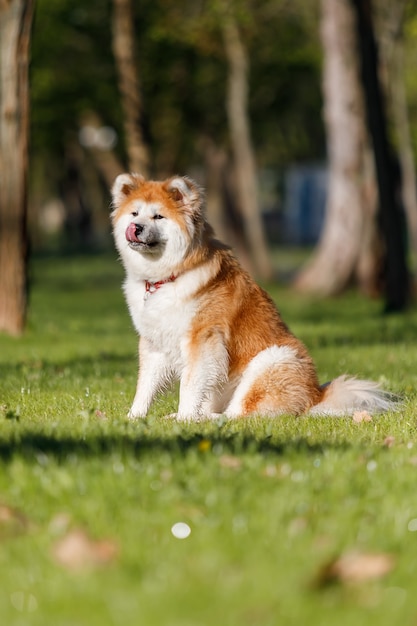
pixel 158 217
pixel 134 213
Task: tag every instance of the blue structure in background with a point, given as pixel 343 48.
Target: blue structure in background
pixel 305 194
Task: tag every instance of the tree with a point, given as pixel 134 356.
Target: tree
pixel 390 19
pixel 15 34
pixel 335 260
pixel 124 53
pixel 391 214
pixel 244 159
pixel 398 97
pixel 350 229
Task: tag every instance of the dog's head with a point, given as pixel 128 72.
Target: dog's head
pixel 161 221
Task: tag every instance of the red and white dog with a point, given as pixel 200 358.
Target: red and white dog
pixel 204 321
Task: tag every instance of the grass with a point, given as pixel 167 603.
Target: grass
pixel 269 502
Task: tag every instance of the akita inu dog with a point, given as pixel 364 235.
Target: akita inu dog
pixel 203 320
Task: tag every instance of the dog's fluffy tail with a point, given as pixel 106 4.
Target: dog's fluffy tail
pixel 346 395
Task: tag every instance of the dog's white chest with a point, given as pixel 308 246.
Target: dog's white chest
pixel 162 316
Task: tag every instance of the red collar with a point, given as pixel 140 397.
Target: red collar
pixel 151 287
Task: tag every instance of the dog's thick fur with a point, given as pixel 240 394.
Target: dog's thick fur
pixel 204 321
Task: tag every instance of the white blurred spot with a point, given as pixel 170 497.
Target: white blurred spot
pixel 412 525
pixel 24 602
pixel 103 138
pixel 395 596
pixel 118 467
pixel 181 530
pixel 297 477
pixel 285 469
pixel 52 216
pixel 240 525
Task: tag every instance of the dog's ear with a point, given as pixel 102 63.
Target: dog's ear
pixel 124 185
pixel 185 192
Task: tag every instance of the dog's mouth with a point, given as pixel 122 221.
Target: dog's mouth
pixel 135 245
pixel 138 238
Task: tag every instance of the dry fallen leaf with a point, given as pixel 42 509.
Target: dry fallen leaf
pixel 297 526
pixel 12 521
pixel 389 441
pixel 60 523
pixel 270 471
pixel 232 462
pixel 361 416
pixel 77 551
pixel 355 567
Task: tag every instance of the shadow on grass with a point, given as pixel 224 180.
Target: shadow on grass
pixel 30 445
pixel 53 370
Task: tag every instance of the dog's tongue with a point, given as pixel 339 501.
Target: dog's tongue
pixel 131 232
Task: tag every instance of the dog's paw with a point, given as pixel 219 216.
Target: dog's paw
pixel 134 415
pixel 171 416
pixel 181 417
pixel 199 417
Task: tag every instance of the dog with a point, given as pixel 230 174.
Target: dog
pixel 204 321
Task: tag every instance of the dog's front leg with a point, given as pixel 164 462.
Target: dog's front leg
pixel 205 373
pixel 153 374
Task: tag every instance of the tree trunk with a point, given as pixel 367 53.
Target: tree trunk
pixel 123 50
pixel 15 32
pixel 391 214
pixel 222 212
pixel 402 126
pixel 334 261
pixel 215 163
pixel 370 264
pixel 246 182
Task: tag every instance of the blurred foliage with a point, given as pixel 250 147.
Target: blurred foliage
pixel 182 73
pixel 72 70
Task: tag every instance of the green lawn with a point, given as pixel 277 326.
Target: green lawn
pixel 269 503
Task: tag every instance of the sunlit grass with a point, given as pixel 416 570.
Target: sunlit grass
pixel 268 502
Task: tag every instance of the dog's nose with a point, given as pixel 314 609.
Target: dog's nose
pixel 138 229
